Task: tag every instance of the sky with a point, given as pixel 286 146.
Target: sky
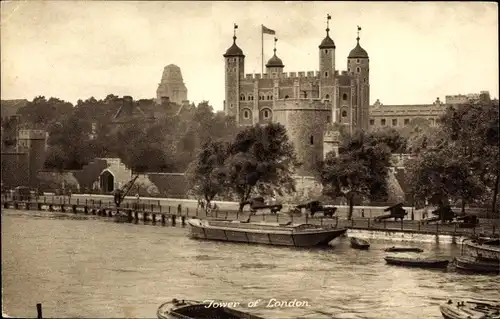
pixel 77 49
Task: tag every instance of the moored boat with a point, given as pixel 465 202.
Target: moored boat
pixel 474 264
pixel 417 262
pixel 404 250
pixel 359 243
pixel 298 235
pixel 470 309
pixel 190 309
pixel 482 248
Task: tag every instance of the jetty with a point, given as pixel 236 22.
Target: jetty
pixel 158 212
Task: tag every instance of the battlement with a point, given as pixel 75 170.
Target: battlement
pixel 32 134
pixel 301 104
pixel 284 75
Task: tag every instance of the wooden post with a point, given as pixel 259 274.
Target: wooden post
pixel 163 219
pixel 129 215
pixel 74 208
pixel 307 217
pixel 78 201
pixel 153 218
pixel 173 220
pixel 39 311
pixel 152 208
pixel 183 220
pixel 144 216
pixel 136 216
pixel 187 211
pixel 369 222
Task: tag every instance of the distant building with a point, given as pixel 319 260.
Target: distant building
pixel 398 116
pixel 172 86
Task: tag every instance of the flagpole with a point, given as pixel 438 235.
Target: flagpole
pixel 262 46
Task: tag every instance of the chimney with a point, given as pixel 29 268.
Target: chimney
pixel 165 100
pixel 128 104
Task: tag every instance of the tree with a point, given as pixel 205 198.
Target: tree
pixel 342 176
pixel 361 167
pixel 40 112
pixel 450 160
pixel 439 175
pixel 207 175
pixel 262 160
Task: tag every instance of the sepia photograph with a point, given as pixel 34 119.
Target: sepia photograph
pixel 250 159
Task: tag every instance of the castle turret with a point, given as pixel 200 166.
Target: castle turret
pixel 327 69
pixel 358 63
pixel 327 54
pixel 274 66
pixel 235 70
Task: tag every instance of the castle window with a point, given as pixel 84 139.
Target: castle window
pixel 358 70
pixel 266 114
pixel 326 74
pixel 344 97
pixel 348 69
pixel 242 97
pixel 286 97
pixel 231 106
pixel 326 51
pixel 394 122
pixel 382 121
pixel 246 114
pixel 407 121
pixel 372 122
pixel 250 97
pixel 261 97
pixel 328 119
pixel 344 113
pixel 357 61
pixel 311 140
pixel 327 96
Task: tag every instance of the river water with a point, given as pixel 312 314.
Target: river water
pixel 82 266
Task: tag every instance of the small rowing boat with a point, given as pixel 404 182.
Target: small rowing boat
pixel 471 309
pixel 417 262
pixel 190 309
pixel 404 250
pixel 359 243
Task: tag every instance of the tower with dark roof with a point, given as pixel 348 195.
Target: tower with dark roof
pixel 275 64
pixel 358 64
pixel 235 71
